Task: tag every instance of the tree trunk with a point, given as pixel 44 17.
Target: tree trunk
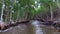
pixel 58 3
pixel 3 7
pixel 51 12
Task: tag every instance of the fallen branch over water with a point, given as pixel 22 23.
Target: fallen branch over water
pixel 4 27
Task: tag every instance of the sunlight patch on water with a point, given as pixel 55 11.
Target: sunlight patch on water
pixel 37 27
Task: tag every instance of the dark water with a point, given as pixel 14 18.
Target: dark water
pixel 32 28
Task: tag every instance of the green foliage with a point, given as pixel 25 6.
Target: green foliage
pixel 21 8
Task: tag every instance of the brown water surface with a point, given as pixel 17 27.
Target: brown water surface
pixel 32 28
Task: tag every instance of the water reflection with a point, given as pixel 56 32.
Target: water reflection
pixel 37 27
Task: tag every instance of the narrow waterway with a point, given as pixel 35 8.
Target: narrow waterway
pixel 34 27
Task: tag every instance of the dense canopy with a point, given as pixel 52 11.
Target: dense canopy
pixel 17 10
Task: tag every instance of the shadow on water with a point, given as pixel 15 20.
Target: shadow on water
pixel 34 27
